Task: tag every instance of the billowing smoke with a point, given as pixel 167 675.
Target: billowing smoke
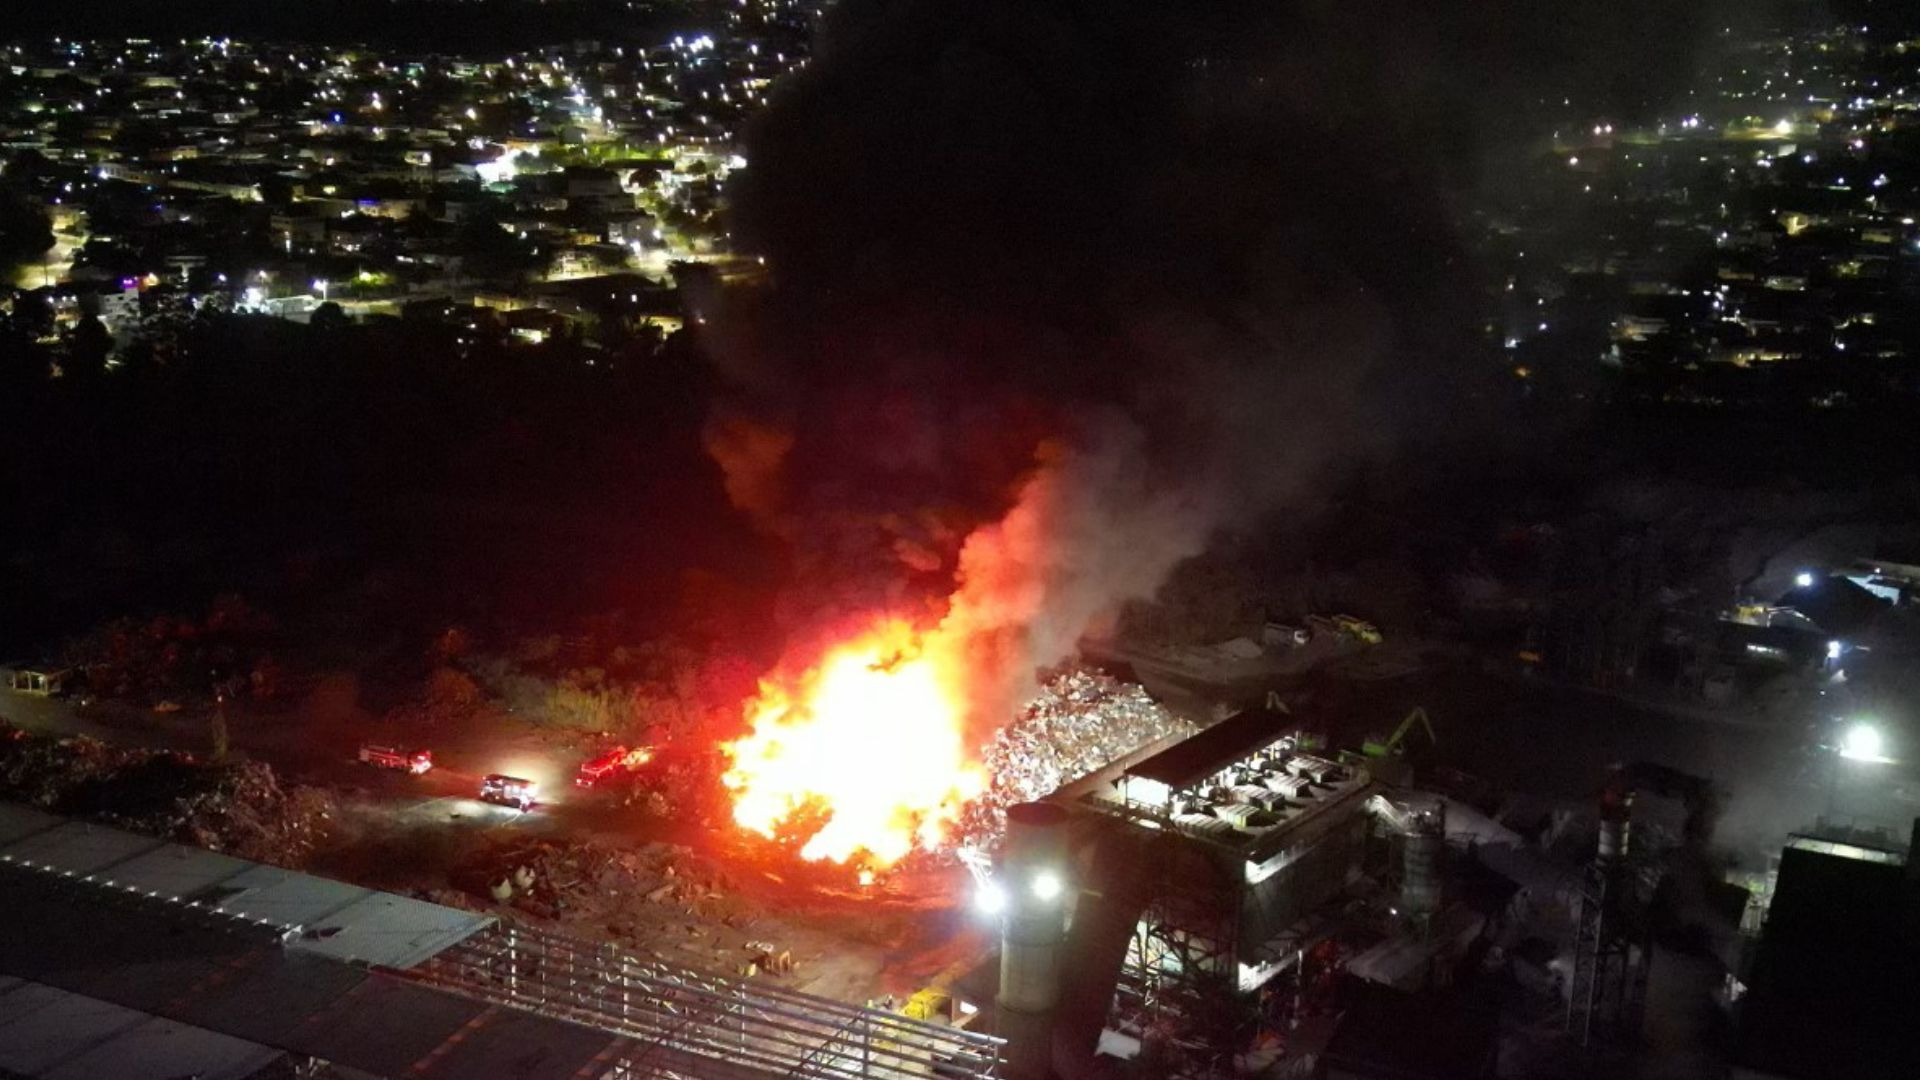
pixel 1062 289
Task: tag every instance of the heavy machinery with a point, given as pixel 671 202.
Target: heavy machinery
pixel 1391 758
pixel 506 790
pixel 1346 626
pixel 388 757
pixel 1359 630
pixel 1395 745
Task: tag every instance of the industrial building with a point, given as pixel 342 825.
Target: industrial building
pixel 1240 898
pixel 1254 835
pixel 1829 990
pixel 1211 866
pixel 134 958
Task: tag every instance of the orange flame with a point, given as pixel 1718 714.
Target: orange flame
pixel 871 738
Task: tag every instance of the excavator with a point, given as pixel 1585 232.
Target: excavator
pixel 1395 745
pixel 1386 758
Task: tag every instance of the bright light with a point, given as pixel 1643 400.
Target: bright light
pixel 991 899
pixel 1803 580
pixel 1862 742
pixel 872 735
pixel 1046 885
pixel 1833 650
pixel 1783 127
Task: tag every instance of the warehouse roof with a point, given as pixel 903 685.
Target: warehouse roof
pixel 51 1034
pixel 1192 760
pixel 330 918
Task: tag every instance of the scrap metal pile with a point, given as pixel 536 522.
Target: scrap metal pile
pixel 660 899
pixel 1081 721
pixel 238 807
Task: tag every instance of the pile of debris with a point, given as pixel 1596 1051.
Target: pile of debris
pixel 661 899
pixel 240 808
pixel 552 878
pixel 1081 721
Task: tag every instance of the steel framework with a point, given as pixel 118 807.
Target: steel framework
pixel 1610 957
pixel 687 1024
pixel 1178 980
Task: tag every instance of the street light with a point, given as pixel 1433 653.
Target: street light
pixel 1803 580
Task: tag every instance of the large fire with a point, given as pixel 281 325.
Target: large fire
pixel 868 744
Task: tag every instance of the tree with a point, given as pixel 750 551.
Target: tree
pixel 32 314
pixel 488 250
pixel 26 233
pixel 328 318
pixel 88 346
pixel 451 694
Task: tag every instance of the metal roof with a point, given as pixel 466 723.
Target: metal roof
pixel 207 941
pixel 132 954
pixel 1194 759
pixel 51 1034
pixel 332 918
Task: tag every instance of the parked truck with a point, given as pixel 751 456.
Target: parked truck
pixel 615 764
pixel 388 757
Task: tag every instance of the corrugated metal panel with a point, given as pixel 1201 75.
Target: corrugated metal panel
pixel 129 954
pixel 174 870
pixel 50 1033
pixel 393 931
pixel 19 821
pixel 80 848
pixel 341 921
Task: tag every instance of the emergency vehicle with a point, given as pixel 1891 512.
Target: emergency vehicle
pixel 508 791
pixel 615 762
pixel 388 757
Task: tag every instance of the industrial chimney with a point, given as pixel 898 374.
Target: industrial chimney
pixel 1033 881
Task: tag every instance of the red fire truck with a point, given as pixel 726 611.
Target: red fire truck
pixel 388 757
pixel 616 762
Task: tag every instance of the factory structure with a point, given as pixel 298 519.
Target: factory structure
pixel 1249 835
pixel 1217 884
pixel 1241 899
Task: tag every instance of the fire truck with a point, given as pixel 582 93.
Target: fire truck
pixel 615 763
pixel 508 791
pixel 388 757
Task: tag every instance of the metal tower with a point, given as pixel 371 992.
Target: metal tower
pixel 1610 939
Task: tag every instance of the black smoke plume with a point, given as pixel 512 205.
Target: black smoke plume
pixel 1060 289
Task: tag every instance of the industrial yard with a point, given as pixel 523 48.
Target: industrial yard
pixel 1229 894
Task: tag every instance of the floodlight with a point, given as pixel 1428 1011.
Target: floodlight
pixel 1046 885
pixel 1862 742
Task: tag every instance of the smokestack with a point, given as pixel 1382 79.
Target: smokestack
pixel 1033 933
pixel 1616 820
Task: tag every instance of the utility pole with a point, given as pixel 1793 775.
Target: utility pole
pixel 219 724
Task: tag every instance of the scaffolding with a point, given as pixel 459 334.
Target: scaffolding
pixel 1182 943
pixel 686 1024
